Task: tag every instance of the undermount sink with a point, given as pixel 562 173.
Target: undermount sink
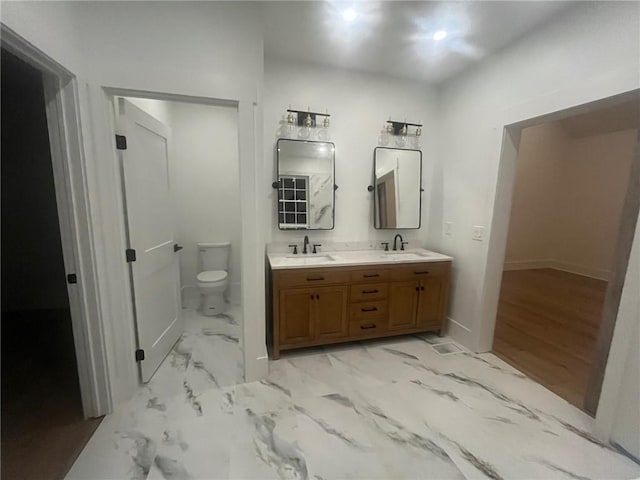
pixel 405 255
pixel 301 259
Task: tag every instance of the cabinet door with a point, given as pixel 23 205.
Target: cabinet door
pixel 430 304
pixel 296 321
pixel 403 305
pixel 331 312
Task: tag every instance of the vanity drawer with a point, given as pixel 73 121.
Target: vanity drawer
pixel 368 326
pixel 366 310
pixel 370 275
pixel 369 291
pixel 307 278
pixel 420 270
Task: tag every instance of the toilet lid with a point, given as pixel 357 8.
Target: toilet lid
pixel 212 276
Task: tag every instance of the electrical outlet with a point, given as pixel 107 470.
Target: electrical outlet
pixel 448 228
pixel 478 233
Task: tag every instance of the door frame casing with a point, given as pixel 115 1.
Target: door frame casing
pixel 215 90
pixel 75 220
pixel 497 242
pixel 508 135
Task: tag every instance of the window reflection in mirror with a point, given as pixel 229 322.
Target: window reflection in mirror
pixel 305 185
pixel 397 188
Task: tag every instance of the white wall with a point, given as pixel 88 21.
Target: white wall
pixel 178 38
pixel 50 26
pixel 206 184
pixel 567 200
pixel 534 207
pixel 589 53
pixel 596 176
pixel 359 105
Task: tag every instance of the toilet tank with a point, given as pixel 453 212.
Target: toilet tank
pixel 213 256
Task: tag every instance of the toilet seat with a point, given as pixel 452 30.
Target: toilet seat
pixel 211 276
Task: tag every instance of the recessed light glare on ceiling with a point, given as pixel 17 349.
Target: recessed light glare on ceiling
pixel 349 15
pixel 440 35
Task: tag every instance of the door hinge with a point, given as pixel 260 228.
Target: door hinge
pixel 121 142
pixel 130 254
pixel 139 355
pixel 176 247
pixel 72 278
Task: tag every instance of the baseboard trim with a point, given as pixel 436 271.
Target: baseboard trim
pixel 583 270
pixel 459 333
pixel 625 452
pixel 590 272
pixel 526 265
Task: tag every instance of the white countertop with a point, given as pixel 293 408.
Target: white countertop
pixel 354 258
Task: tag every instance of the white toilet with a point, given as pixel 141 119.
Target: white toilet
pixel 213 279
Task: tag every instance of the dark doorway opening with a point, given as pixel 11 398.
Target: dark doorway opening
pixel 43 426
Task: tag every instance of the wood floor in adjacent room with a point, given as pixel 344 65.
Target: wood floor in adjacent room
pixel 43 429
pixel 547 326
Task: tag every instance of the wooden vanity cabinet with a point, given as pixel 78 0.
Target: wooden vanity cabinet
pixel 336 304
pixel 308 314
pixel 403 306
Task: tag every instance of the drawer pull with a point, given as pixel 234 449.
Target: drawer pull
pixel 424 272
pixel 372 309
pixel 371 275
pixel 367 327
pixel 369 291
pixel 313 279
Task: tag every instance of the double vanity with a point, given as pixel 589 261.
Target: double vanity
pixel 319 299
pixel 331 297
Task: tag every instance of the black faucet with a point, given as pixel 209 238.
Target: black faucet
pixel 306 244
pixel 402 242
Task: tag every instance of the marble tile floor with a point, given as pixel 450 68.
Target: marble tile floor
pixel 390 409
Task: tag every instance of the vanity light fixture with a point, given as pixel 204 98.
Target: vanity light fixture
pixel 307 121
pixel 401 133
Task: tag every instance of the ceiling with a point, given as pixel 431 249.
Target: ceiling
pixel 397 37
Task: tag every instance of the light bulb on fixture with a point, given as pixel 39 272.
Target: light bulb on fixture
pixel 305 131
pixel 415 141
pixel 323 134
pixel 383 138
pixel 290 128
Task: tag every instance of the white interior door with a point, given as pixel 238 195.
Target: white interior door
pixel 151 226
